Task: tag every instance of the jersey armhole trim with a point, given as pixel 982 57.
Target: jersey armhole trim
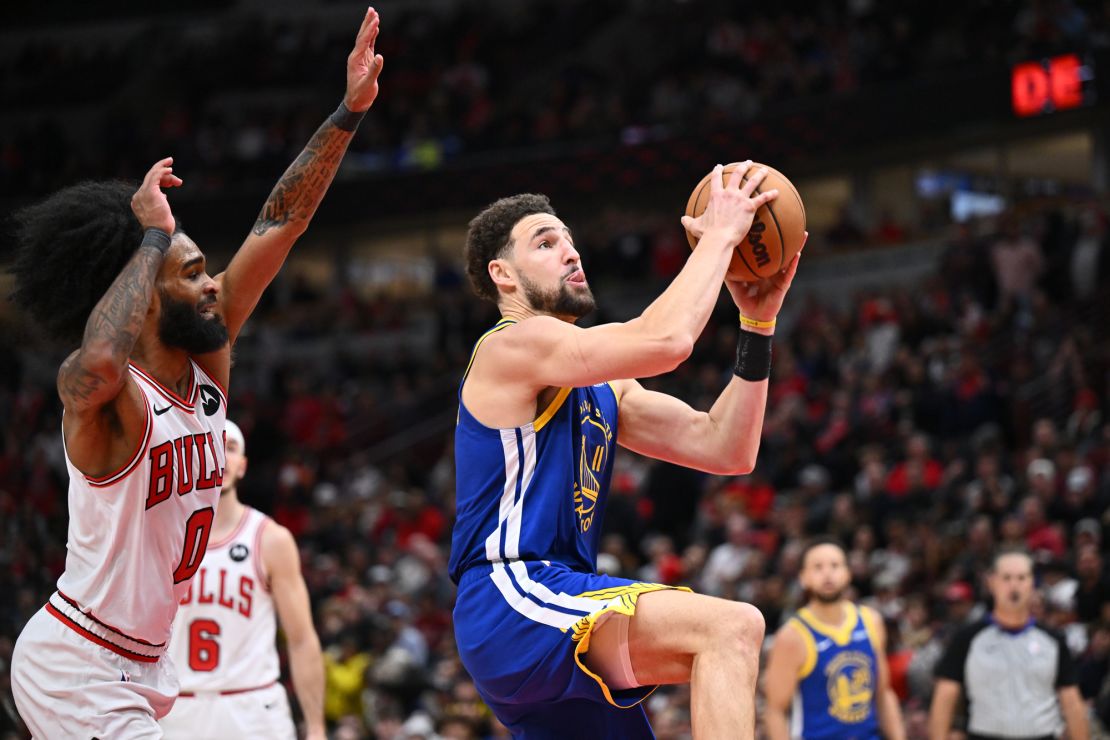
pixel 870 630
pixel 810 661
pixel 259 566
pixel 502 324
pixel 104 481
pixel 551 410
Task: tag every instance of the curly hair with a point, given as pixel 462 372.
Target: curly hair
pixel 488 237
pixel 68 250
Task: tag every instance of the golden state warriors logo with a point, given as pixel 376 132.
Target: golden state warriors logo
pixel 850 686
pixel 596 437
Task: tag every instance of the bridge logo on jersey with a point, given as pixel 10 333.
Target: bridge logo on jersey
pixel 596 437
pixel 238 552
pixel 209 399
pixel 850 685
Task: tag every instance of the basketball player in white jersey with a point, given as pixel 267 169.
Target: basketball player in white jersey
pixel 143 424
pixel 223 636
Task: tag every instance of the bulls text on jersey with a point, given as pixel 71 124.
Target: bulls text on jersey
pixel 178 455
pixel 217 586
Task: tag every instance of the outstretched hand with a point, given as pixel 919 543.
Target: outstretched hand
pixel 149 203
pixel 763 299
pixel 363 66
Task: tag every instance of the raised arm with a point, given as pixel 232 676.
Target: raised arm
pixel 725 440
pixel 294 200
pixel 94 376
pixel 545 351
pixel 283 564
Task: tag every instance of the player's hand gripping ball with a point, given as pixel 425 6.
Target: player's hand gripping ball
pixel 777 233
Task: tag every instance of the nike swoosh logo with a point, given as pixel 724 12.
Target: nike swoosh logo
pixel 268 706
pixel 159 412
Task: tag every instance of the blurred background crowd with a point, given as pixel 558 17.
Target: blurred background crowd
pixel 941 381
pixel 233 94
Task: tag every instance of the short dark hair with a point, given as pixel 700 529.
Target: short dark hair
pixel 488 237
pixel 819 542
pixel 68 250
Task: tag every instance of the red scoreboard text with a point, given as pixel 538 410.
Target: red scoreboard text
pixel 1049 85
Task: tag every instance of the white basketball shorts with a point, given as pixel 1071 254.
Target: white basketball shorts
pixel 65 685
pixel 259 714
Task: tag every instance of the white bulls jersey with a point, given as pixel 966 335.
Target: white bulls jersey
pixel 137 536
pixel 223 635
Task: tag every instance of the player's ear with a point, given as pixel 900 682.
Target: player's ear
pixel 243 468
pixel 155 307
pixel 501 273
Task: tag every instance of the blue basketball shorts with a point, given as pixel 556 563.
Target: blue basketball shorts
pixel 522 630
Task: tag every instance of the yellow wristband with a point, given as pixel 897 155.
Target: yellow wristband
pixel 745 321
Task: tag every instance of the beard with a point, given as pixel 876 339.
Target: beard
pixel 182 327
pixel 559 301
pixel 828 598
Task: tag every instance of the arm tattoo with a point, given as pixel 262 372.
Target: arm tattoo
pixel 114 325
pixel 299 191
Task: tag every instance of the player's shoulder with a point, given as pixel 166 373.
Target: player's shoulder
pixel 511 331
pixel 276 538
pixel 791 631
pixel 261 516
pixel 870 615
pixel 271 529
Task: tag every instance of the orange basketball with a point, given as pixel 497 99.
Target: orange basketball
pixel 777 232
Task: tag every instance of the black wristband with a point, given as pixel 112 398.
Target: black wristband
pixel 753 356
pixel 346 119
pixel 156 238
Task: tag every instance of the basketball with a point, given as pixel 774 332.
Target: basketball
pixel 777 232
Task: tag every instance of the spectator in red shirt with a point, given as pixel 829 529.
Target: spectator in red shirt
pixel 918 471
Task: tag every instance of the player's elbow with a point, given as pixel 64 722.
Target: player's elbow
pixel 732 467
pixel 672 350
pixel 739 467
pixel 740 459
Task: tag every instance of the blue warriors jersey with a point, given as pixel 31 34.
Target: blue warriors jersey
pixel 534 492
pixel 837 684
pixel 529 503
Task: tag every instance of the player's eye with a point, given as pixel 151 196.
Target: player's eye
pixel 545 245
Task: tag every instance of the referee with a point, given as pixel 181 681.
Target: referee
pixel 1018 677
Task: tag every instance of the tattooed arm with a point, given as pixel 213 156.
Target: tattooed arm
pixel 95 376
pixel 298 193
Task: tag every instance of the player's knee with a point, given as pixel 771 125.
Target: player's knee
pixel 740 629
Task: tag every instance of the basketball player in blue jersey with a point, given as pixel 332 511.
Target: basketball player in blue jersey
pixel 555 649
pixel 827 670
